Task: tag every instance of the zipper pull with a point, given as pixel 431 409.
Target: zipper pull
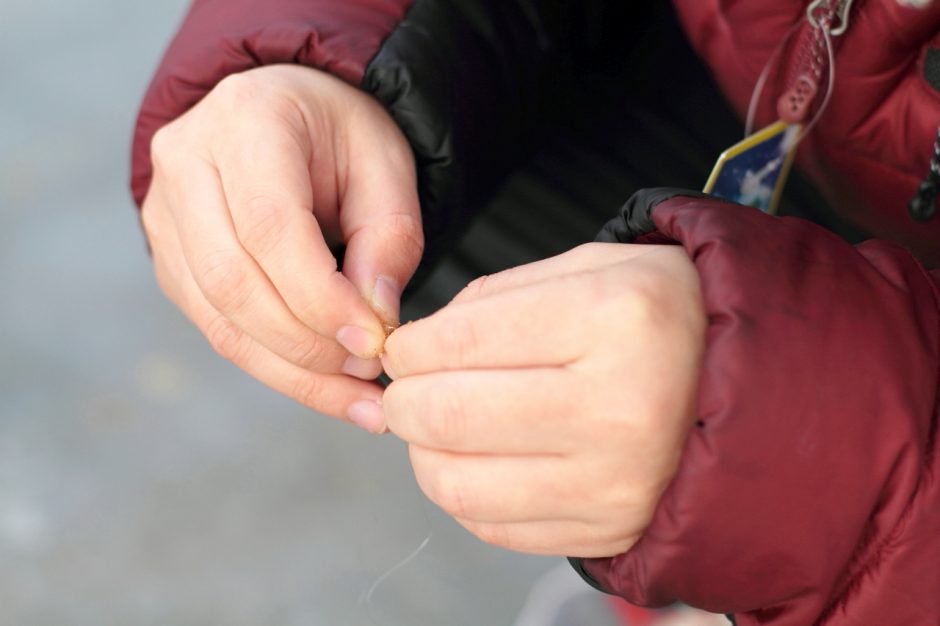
pixel 828 18
pixel 837 15
pixel 795 102
pixel 923 205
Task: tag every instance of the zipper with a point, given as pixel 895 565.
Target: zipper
pixel 923 205
pixel 827 19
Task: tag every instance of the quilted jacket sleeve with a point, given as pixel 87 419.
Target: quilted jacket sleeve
pixel 466 80
pixel 808 490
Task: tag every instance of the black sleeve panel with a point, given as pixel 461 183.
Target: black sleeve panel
pixel 471 83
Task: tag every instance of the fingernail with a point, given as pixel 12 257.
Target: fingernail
pixel 366 369
pixel 386 300
pixel 367 414
pixel 359 341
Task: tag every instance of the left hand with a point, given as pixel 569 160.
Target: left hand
pixel 546 407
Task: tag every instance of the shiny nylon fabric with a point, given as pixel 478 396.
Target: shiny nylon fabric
pixel 471 84
pixel 797 503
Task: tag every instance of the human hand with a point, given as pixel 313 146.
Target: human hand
pixel 546 407
pixel 250 189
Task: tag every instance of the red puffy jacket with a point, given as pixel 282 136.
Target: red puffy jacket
pixel 805 497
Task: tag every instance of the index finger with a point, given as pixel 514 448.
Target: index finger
pixel 532 326
pixel 583 258
pixel 519 411
pixel 269 188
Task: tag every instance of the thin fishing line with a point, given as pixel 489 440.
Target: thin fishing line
pixel 366 597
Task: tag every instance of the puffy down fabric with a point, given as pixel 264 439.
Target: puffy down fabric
pixel 807 491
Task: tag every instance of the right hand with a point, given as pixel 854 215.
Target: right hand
pixel 250 189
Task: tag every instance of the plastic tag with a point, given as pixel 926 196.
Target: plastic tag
pixel 754 171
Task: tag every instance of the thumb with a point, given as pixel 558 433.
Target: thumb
pixel 380 218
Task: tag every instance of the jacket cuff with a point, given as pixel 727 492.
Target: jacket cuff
pixel 803 486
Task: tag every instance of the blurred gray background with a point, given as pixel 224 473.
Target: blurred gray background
pixel 143 480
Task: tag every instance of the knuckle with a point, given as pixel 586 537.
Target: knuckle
pixel 632 305
pixel 253 95
pixel 461 341
pixel 310 354
pixel 617 496
pixel 163 146
pixel 312 306
pixel 649 301
pixel 263 225
pixel 222 278
pixel 407 230
pixel 447 419
pixel 476 288
pixel 239 88
pixel 448 490
pixel 308 390
pixel 226 339
pixel 586 250
pixel 640 304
